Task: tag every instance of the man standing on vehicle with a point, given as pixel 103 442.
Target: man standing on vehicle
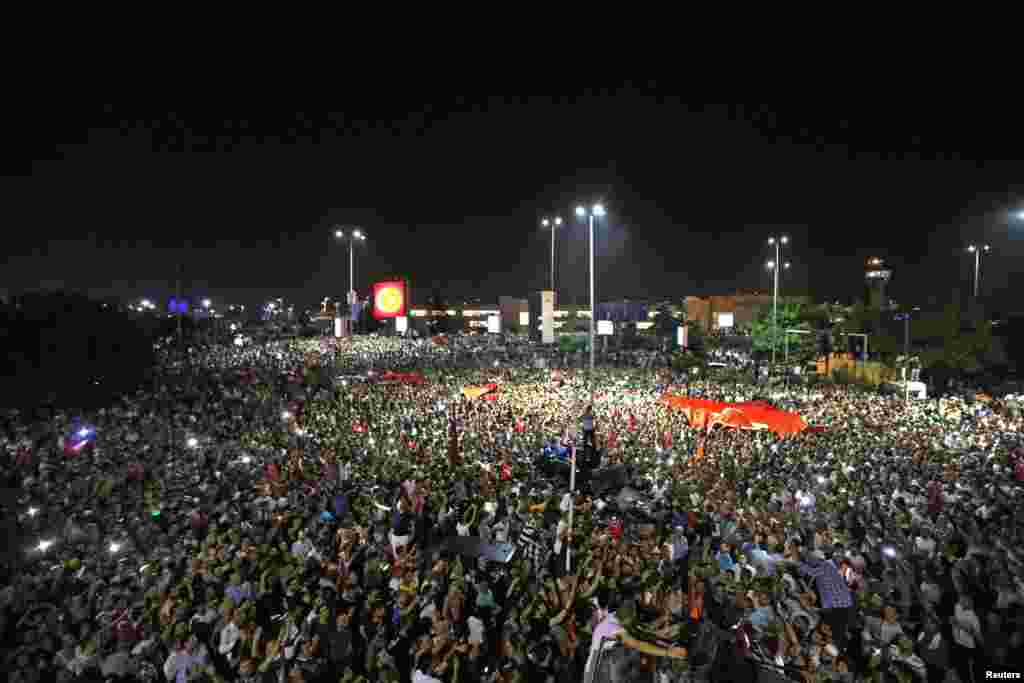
pixel 588 426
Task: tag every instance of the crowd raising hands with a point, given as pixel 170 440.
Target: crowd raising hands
pixel 287 512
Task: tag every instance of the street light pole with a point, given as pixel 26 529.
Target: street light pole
pixel 353 234
pixel 552 223
pixel 775 265
pixel 976 249
pixel 775 302
pixel 596 211
pixel 593 323
pixel 906 356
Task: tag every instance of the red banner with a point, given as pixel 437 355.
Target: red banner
pixel 751 415
pixel 403 377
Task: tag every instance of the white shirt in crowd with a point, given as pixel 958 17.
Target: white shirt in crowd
pixel 966 626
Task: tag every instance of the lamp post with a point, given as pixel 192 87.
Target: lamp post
pixel 597 211
pixel 785 339
pixel 905 317
pixel 552 223
pixel 775 266
pixel 976 249
pixel 353 234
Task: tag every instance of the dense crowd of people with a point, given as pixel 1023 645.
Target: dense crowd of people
pixel 398 510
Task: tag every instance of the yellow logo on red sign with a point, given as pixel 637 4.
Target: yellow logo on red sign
pixel 389 299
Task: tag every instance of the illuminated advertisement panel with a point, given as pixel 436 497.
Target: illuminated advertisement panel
pixel 389 299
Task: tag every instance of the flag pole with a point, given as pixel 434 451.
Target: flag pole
pixel 572 507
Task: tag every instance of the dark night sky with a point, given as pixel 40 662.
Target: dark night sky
pixel 112 200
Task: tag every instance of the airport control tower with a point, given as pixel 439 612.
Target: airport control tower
pixel 876 278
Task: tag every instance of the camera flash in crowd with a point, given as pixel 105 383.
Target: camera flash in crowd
pixel 114 547
pixel 44 545
pixel 193 442
pixel 889 551
pixel 32 512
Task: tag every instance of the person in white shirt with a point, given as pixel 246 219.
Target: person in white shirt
pixel 967 638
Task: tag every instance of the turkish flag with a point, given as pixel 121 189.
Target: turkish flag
pixel 506 471
pixel 520 427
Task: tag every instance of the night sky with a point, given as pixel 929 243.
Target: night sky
pixel 113 200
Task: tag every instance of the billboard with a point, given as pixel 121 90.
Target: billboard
pixel 389 300
pixel 605 327
pixel 547 317
pixel 725 319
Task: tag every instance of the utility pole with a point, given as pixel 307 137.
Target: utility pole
pixel 177 304
pixel 906 354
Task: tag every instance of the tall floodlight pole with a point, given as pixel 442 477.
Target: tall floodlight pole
pixel 597 211
pixel 775 266
pixel 976 249
pixel 905 317
pixel 354 234
pixel 552 223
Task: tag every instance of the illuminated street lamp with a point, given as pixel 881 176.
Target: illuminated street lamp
pixel 976 249
pixel 552 223
pixel 597 211
pixel 778 243
pixel 353 235
pixel 207 303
